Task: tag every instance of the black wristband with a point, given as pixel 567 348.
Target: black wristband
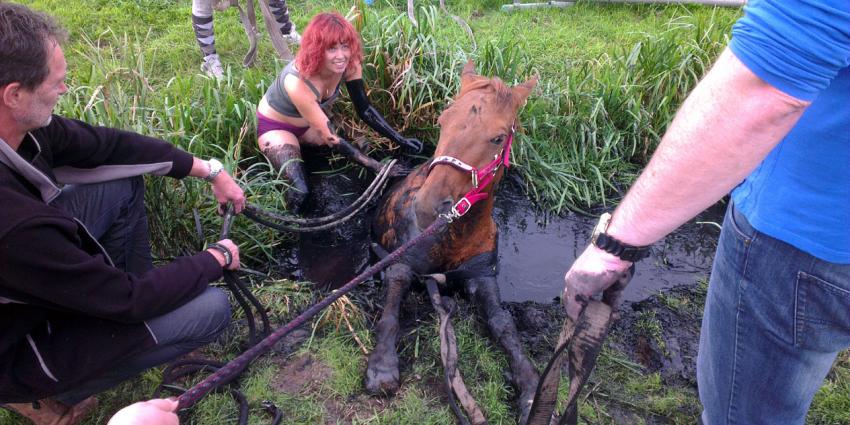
pixel 621 250
pixel 228 256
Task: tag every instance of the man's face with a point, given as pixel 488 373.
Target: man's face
pixel 38 104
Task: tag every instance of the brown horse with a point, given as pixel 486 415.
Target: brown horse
pixel 475 129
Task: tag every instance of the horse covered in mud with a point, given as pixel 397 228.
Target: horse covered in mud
pixel 476 132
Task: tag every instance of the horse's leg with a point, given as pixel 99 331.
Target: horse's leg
pixel 382 371
pixel 486 295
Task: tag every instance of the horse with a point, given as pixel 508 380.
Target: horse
pixel 475 130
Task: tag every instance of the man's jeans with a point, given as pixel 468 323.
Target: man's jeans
pixel 114 213
pixel 775 319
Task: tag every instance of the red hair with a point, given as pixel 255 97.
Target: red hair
pixel 324 31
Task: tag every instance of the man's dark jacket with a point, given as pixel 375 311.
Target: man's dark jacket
pixel 67 315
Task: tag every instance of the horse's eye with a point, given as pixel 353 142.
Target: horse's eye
pixel 498 140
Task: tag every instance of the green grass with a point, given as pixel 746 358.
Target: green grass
pixel 611 77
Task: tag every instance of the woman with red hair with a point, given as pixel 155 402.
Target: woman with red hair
pixel 293 109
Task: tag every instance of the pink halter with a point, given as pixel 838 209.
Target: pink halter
pixel 480 178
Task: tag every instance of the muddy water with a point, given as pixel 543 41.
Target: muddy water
pixel 535 250
pixel 333 257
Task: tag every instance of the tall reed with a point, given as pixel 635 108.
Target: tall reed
pixel 586 134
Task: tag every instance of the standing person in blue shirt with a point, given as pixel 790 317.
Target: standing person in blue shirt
pixel 770 122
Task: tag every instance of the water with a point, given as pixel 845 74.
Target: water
pixel 535 251
pixel 332 257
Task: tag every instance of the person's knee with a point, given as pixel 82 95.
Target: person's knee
pixel 217 307
pixel 202 7
pixel 208 315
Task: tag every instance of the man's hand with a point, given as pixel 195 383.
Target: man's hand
pixel 592 272
pixel 226 190
pixel 151 412
pixel 221 257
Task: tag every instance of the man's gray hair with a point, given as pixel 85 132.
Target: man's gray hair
pixel 26 37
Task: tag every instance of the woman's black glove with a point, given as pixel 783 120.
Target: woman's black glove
pixel 371 116
pixel 351 152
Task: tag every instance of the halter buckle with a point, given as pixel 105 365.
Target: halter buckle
pixel 474 173
pixel 461 207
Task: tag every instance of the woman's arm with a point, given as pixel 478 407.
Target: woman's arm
pixel 371 116
pixel 308 106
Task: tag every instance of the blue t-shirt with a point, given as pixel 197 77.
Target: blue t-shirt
pixel 800 193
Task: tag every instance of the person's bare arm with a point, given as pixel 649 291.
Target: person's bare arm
pixel 723 130
pixel 308 106
pixel 225 189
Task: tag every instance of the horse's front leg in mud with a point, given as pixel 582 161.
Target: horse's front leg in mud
pixel 382 371
pixel 501 324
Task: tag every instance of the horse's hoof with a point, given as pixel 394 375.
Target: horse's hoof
pixel 382 374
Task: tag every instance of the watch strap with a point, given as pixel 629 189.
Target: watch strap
pixel 228 256
pixel 623 251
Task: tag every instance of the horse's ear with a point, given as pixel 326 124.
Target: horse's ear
pixel 468 74
pixel 522 91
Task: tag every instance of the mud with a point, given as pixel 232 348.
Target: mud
pixel 333 257
pixel 661 332
pixel 659 319
pixel 308 375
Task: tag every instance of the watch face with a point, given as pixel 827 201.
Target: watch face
pixel 215 168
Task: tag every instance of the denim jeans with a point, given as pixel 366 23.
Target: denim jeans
pixel 775 318
pixel 114 213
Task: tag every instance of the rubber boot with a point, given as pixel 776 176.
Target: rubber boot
pixel 286 159
pixel 51 412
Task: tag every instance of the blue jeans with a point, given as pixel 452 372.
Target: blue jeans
pixel 775 318
pixel 114 213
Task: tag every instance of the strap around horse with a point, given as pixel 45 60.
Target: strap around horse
pixel 579 344
pixel 449 356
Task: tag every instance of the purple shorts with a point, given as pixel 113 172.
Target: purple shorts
pixel 266 124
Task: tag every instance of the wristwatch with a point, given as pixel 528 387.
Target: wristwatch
pixel 215 169
pixel 613 246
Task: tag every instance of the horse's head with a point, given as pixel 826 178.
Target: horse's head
pixel 475 130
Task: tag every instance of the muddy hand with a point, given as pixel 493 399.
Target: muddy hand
pixel 592 273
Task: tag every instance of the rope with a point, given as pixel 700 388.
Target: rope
pixel 449 357
pixel 304 225
pixel 233 368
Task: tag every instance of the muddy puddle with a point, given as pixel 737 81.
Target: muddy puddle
pixel 332 257
pixel 535 248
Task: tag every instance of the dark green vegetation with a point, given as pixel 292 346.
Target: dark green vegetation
pixel 611 77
